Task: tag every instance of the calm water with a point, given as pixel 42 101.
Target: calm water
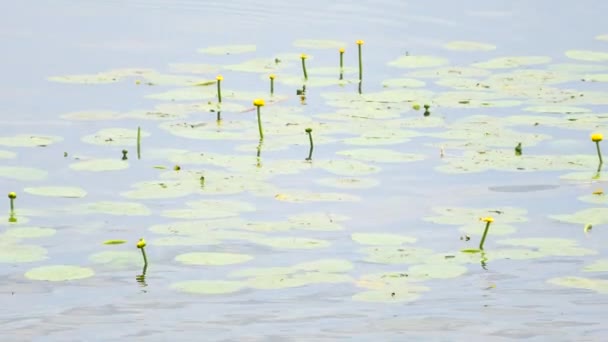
pixel 508 299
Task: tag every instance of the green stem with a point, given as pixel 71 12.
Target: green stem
pixel 311 146
pixel 483 238
pixel 219 91
pixel 304 68
pixel 360 65
pixel 341 61
pixel 143 252
pixel 138 142
pixel 260 125
pixel 272 86
pixel 12 205
pixel 219 116
pixel 599 155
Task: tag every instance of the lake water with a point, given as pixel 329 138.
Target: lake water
pixel 364 241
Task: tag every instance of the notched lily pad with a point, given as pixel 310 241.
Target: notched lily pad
pixel 212 259
pixel 22 173
pixel 59 273
pixel 28 140
pixel 56 191
pixel 100 165
pixel 208 287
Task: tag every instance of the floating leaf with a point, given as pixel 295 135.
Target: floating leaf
pixel 466 216
pixel 291 242
pixel 348 183
pixel 56 191
pixel 598 266
pixel 512 62
pixel 597 285
pixel 29 232
pixel 120 137
pixel 396 255
pixel 394 287
pixel 603 37
pixel 114 208
pixel 100 165
pixel 436 271
pixel 118 260
pixel 587 55
pixel 59 273
pixel 114 242
pixel 418 62
pixel 22 173
pixel 315 221
pixel 212 259
pixel 495 229
pixel 208 287
pixel 319 44
pixel 7 154
pixel 378 155
pixel 28 140
pixel 550 246
pixel 296 280
pixel 463 45
pixel 403 83
pixel 557 109
pixel 228 49
pixel 14 253
pixel 93 115
pixel 302 196
pixel 381 239
pixel 594 216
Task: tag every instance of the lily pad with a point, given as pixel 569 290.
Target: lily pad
pixel 550 246
pixel 557 109
pixel 596 285
pixel 587 55
pixel 119 260
pixel 29 140
pixel 291 242
pixel 380 155
pixel 115 208
pixel 436 271
pixel 210 209
pixel 56 191
pixel 393 287
pixel 303 196
pixel 594 216
pixel 418 62
pixel 15 253
pixel 228 49
pixel 463 45
pixel 403 83
pixel 348 182
pixel 22 173
pixel 7 154
pixel 396 255
pixel 212 259
pixel 283 281
pixel 381 239
pixel 319 44
pixel 314 221
pixel 93 115
pixel 29 232
pixel 208 287
pixel 495 229
pixel 100 165
pixel 603 37
pixel 59 273
pixel 512 62
pixel 598 266
pixel 466 216
pixel 120 137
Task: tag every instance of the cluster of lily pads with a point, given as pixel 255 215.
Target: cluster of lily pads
pixel 368 122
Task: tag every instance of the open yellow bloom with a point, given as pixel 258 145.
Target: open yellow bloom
pixel 303 56
pixel 141 243
pixel 342 50
pixel 488 219
pixel 12 195
pixel 360 42
pixel 595 137
pixel 272 76
pixel 219 78
pixel 258 102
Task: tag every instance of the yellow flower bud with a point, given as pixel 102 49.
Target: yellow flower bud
pixel 303 56
pixel 488 219
pixel 219 78
pixel 12 195
pixel 272 76
pixel 360 42
pixel 141 243
pixel 595 137
pixel 308 130
pixel 342 50
pixel 258 102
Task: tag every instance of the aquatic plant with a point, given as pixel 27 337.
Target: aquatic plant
pixel 359 44
pixel 12 196
pixel 259 103
pixel 596 138
pixel 303 57
pixel 272 77
pixel 416 106
pixel 124 154
pixel 141 244
pixel 219 79
pixel 309 132
pixel 488 220
pixel 138 142
pixel 518 149
pixel 341 62
pixel 177 168
pixel 426 110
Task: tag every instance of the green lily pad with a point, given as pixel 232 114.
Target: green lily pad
pixel 291 242
pixel 594 216
pixel 319 44
pixel 393 287
pixel 603 37
pixel 381 239
pixel 418 62
pixel 212 259
pixel 259 65
pixel 495 229
pixel 303 196
pixel 550 246
pixel 100 165
pixel 120 137
pixel 208 287
pixel 596 78
pixel 463 45
pixel 403 83
pixel 29 140
pixel 307 271
pixel 512 62
pixel 29 232
pixel 56 191
pixel 13 253
pixel 59 273
pixel 7 154
pixel 296 280
pixel 596 285
pixel 595 199
pixel 471 216
pixel 22 173
pixel 114 242
pixel 186 241
pixel 118 260
pixel 378 155
pixel 314 221
pixel 587 55
pixel 210 209
pixel 436 271
pixel 450 72
pixel 228 49
pixel 115 208
pixel 557 109
pixel 348 182
pixel 598 266
pixel 346 167
pixel 396 255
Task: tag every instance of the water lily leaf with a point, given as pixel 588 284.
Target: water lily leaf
pixel 463 45
pixel 378 155
pixel 291 242
pixel 450 72
pixel 593 216
pixel 208 287
pixel 466 216
pixel 386 295
pixel 550 246
pixel 114 242
pixel 57 191
pixel 418 62
pixel 319 44
pixel 596 285
pixel 602 37
pixel 435 271
pixel 210 209
pixel 512 62
pixel 596 78
pixel 29 232
pixel 59 273
pixel 557 109
pixel 192 68
pixel 118 260
pixel 346 167
pixel 121 137
pixel 595 199
pixel 22 173
pixel 348 182
pixel 212 259
pixel 325 266
pixel 296 280
pixel 100 78
pixel 315 221
pixel 100 165
pixel 114 208
pixel 163 189
pixel 403 83
pixel 587 55
pixel 381 239
pixel 234 49
pixel 93 115
pixel 29 140
pixel 185 94
pixel 302 196
pixel 13 253
pixel 317 81
pixel 396 255
pixel 495 229
pixel 585 175
pixel 393 287
pixel 598 266
pixel 7 154
pixel 185 241
pixel 259 65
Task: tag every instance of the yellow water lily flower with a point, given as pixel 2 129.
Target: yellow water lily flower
pixel 360 42
pixel 141 243
pixel 342 50
pixel 219 78
pixel 272 76
pixel 598 192
pixel 488 219
pixel 303 56
pixel 12 195
pixel 258 102
pixel 595 137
